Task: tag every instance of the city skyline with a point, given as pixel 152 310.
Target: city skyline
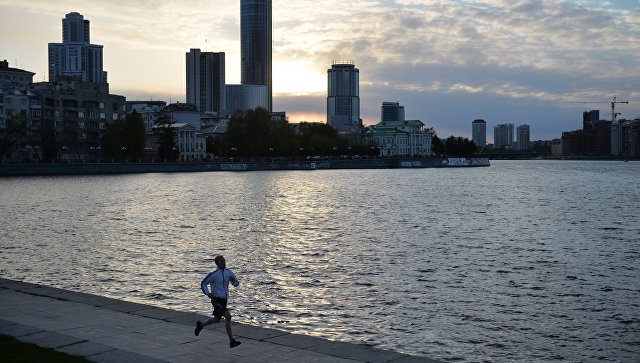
pixel 448 62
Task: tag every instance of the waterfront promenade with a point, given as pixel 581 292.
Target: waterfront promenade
pixel 109 330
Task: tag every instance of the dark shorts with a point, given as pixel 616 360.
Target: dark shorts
pixel 219 306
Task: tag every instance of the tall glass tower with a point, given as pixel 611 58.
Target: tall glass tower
pixel 343 96
pixel 76 56
pixel 255 44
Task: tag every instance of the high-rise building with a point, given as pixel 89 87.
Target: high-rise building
pixel 343 98
pixel 255 45
pixel 242 97
pixel 479 132
pixel 591 116
pixel 522 141
pixel 76 56
pixel 503 135
pixel 206 81
pixel 392 111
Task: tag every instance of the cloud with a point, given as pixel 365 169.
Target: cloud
pixel 446 61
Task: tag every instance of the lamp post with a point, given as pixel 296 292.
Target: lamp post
pixel 28 148
pixel 65 156
pixel 124 153
pixel 147 151
pixel 37 151
pixel 233 151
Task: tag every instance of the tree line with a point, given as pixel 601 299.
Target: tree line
pixel 252 133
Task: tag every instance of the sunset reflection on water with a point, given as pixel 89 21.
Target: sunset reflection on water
pixel 440 262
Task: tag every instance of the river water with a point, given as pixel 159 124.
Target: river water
pixel 520 261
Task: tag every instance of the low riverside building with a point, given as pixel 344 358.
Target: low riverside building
pixel 148 110
pixel 54 121
pixel 18 108
pixel 190 142
pixel 74 116
pixel 14 78
pixel 395 136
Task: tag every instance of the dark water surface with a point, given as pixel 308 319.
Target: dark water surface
pixel 521 261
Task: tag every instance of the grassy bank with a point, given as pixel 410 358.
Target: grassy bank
pixel 15 351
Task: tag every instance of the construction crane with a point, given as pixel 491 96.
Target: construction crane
pixel 613 107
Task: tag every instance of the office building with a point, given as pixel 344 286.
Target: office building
pixel 593 140
pixel 590 116
pixel 343 98
pixel 523 137
pixel 392 111
pixel 76 57
pixel 479 132
pixel 503 135
pixel 206 81
pixel 243 97
pixel 255 45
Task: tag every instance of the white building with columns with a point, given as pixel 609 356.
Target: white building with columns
pixel 400 137
pixel 190 142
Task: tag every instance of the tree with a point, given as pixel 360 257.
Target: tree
pixel 50 146
pixel 134 136
pixel 254 133
pixel 13 135
pixel 318 137
pixel 167 141
pixel 437 146
pixel 125 139
pixel 457 146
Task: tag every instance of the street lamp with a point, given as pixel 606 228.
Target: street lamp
pixel 28 148
pixel 65 156
pixel 124 153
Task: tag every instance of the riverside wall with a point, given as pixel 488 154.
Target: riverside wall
pixel 236 165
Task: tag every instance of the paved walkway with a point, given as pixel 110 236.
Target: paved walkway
pixel 109 330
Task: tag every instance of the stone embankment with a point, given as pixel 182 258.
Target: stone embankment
pixel 235 165
pixel 108 330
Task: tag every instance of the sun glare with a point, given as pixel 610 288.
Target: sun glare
pixel 297 77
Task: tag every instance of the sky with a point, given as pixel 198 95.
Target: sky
pixel 532 62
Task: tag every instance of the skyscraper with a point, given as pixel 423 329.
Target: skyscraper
pixel 503 135
pixel 206 81
pixel 392 111
pixel 479 132
pixel 523 136
pixel 255 44
pixel 75 56
pixel 343 96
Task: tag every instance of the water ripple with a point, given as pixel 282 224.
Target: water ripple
pixel 522 261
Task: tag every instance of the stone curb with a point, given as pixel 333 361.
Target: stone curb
pixel 343 352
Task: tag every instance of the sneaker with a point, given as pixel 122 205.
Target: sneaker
pixel 199 327
pixel 234 343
